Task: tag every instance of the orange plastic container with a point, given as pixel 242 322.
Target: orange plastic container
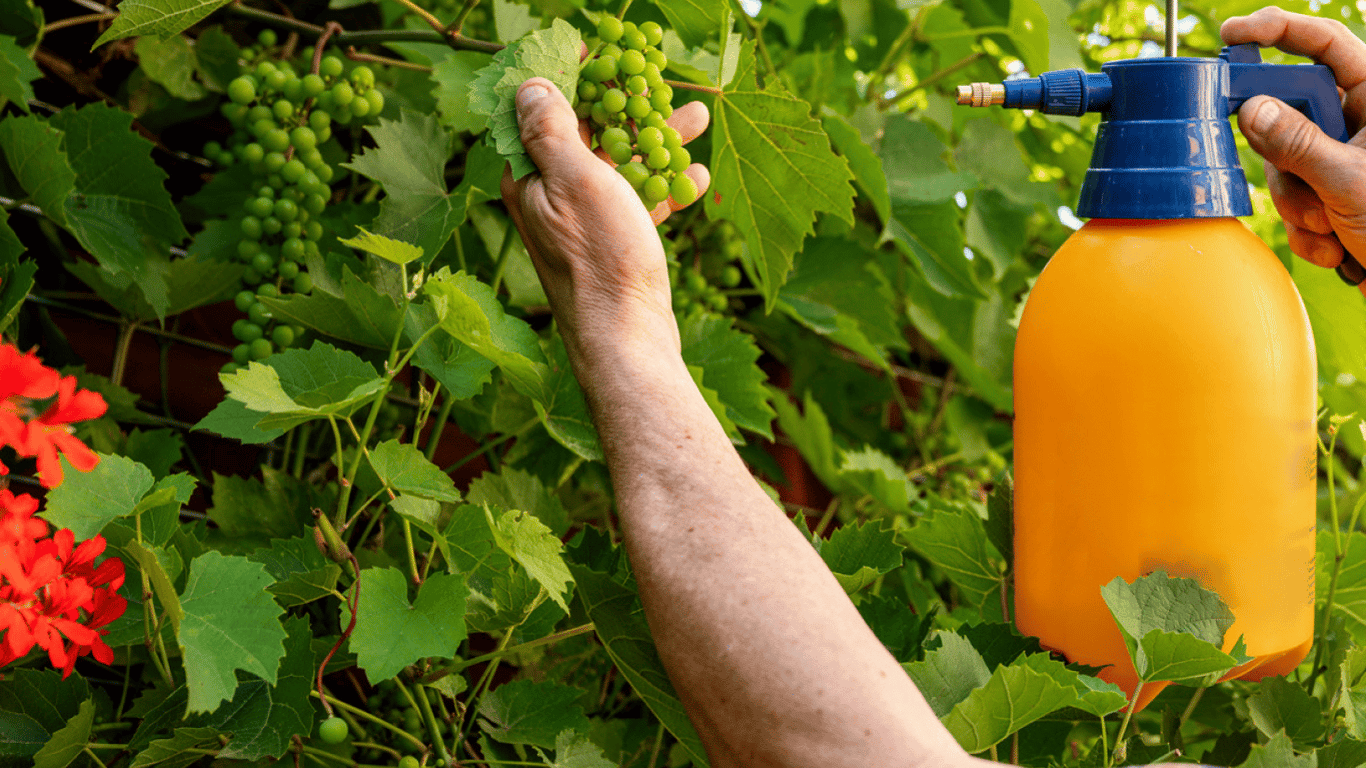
pixel 1164 419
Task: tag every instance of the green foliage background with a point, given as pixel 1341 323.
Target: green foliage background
pixel 887 239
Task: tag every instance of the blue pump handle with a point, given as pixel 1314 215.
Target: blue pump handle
pixel 1309 88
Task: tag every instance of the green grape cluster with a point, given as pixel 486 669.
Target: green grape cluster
pixel 693 293
pixel 623 92
pixel 388 702
pixel 281 119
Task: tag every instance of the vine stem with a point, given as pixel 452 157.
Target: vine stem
pixel 353 603
pixel 1120 750
pixel 354 55
pixel 933 78
pixel 77 20
pixel 124 344
pixel 694 87
pixel 1338 557
pixel 547 640
pixel 91 754
pixel 336 702
pixel 490 445
pixel 331 29
pixel 455 26
pixel 424 706
pixel 426 15
pixel 457 41
pixel 756 30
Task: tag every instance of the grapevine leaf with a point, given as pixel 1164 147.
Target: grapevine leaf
pixel 409 162
pixel 876 474
pixel 565 414
pixel 16 277
pixel 955 541
pixel 948 673
pixel 216 58
pixel 863 161
pixel 296 386
pixel 1172 604
pixel 529 542
pixel 1342 753
pixel 85 502
pixel 513 488
pixel 728 358
pixel 184 747
pixel 39 162
pixel 469 311
pixel 1000 522
pixel 989 151
pixel 231 418
pixel 392 633
pixel 619 622
pixel 162 18
pixel 69 741
pixel 302 574
pixel 17 73
pixel 717 407
pixel 958 328
pixel 527 712
pixel 231 622
pixel 1280 705
pixel 361 315
pixel 461 370
pixel 1352 685
pixel 1183 658
pixel 190 282
pixel 34 705
pixel 550 53
pixel 386 248
pixel 996 229
pixel 263 717
pixel 695 21
pixel 839 291
pixel 501 593
pixel 1015 696
pixel 248 512
pixel 402 467
pixel 772 172
pixel 453 76
pixel 900 628
pixel 859 554
pixel 161 567
pixel 574 750
pixel 809 430
pixel 171 64
pixel 1349 601
pixel 1278 752
pixel 512 20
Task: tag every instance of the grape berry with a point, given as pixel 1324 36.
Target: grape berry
pixel 623 93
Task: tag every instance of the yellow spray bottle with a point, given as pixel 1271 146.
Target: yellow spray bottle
pixel 1164 375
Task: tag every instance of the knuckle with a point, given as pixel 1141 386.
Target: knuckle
pixel 1297 140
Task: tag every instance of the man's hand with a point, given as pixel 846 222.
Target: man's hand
pixel 592 241
pixel 1317 183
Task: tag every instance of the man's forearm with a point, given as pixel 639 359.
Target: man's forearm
pixel 772 661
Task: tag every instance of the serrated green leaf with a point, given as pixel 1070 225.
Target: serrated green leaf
pixel 574 750
pixel 550 53
pixel 859 553
pixel 501 593
pixel 529 542
pixel 809 431
pixel 1349 601
pixel 171 64
pixel 34 705
pixel 955 541
pixel 1015 696
pixel 248 512
pixel 302 574
pixel 513 488
pixel 263 718
pixel 68 742
pixel 161 567
pixel 462 371
pixel 216 56
pixel 36 156
pixel 565 412
pixel 360 315
pixel 527 712
pixel 402 467
pixel 717 407
pixel 1172 627
pixel 972 334
pixel 1282 706
pixel 695 21
pixel 838 290
pixel 453 76
pixel 1279 752
pixel 728 358
pixel 1182 658
pixel 231 622
pixel 85 502
pixel 17 73
pixel 873 472
pixel 392 633
pixel 1342 753
pixel 386 248
pixel 16 277
pixel 297 385
pixel 948 673
pixel 162 18
pixel 469 311
pixel 772 172
pixel 184 747
pixel 863 161
pixel 619 622
pixel 190 282
pixel 231 418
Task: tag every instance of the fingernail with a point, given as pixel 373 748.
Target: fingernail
pixel 1265 115
pixel 529 94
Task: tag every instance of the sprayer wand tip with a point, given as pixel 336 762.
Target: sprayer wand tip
pixel 981 94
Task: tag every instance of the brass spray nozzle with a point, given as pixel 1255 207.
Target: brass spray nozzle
pixel 981 94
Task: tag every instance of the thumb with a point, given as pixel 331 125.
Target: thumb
pixel 1292 143
pixel 549 128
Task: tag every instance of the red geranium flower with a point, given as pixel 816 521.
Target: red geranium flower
pixel 25 380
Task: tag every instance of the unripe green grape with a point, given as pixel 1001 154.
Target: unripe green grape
pixel 292 249
pixel 283 336
pixel 683 189
pixel 261 349
pixel 613 100
pixel 619 152
pixel 610 29
pixel 303 283
pixel 584 109
pixel 648 139
pixel 266 37
pixel 312 85
pixel 614 135
pixel 657 58
pixel 242 90
pixel 292 229
pixel 605 68
pixel 267 289
pixel 275 80
pixel 376 99
pixel 293 90
pixel 634 40
pixel 253 153
pixel 288 270
pixel 271 225
pixel 360 106
pixel 635 174
pixel 679 159
pixel 310 248
pixel 313 231
pixel 283 109
pixel 258 113
pixel 343 94
pixel 251 228
pixel 259 314
pixel 363 77
pixel 315 203
pixel 286 210
pixel 655 190
pixel 324 101
pixel 243 300
pixel 610 50
pixel 235 113
pixel 262 127
pixel 244 330
pixel 259 206
pixel 658 159
pixel 276 139
pixel 241 354
pixel 637 107
pixel 246 249
pixel 599 115
pixel 303 138
pixel 660 101
pixel 632 62
pixel 730 276
pixel 672 138
pixel 408 761
pixel 654 34
pixel 319 119
pixel 275 180
pixel 263 263
pixel 654 120
pixel 226 159
pixel 636 85
pixel 250 276
pixel 718 302
pixel 274 161
pixel 324 133
pixel 263 69
pixel 652 76
pixel 588 90
pixel 212 149
pixel 293 170
pixel 330 66
pixel 324 172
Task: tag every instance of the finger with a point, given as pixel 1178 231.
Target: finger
pixel 1289 141
pixel 1326 41
pixel 700 177
pixel 690 120
pixel 550 130
pixel 1297 202
pixel 1319 250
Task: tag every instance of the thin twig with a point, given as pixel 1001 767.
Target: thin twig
pixel 426 15
pixel 354 55
pixel 78 20
pixel 932 79
pixel 331 29
pixel 693 87
pixel 455 26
